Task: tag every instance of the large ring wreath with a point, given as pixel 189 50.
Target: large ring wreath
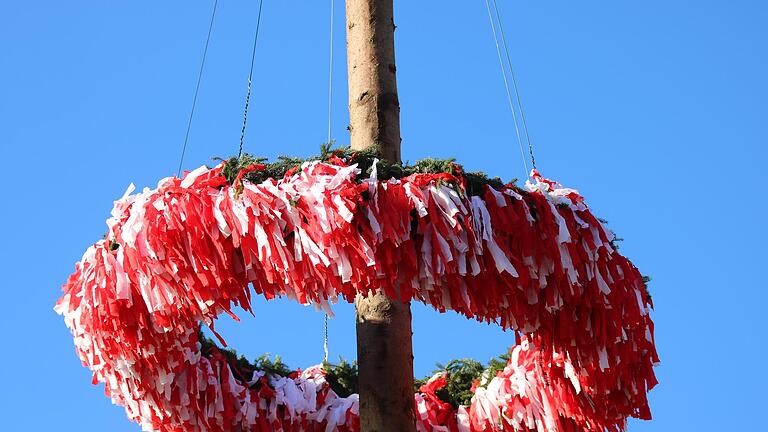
pixel 533 259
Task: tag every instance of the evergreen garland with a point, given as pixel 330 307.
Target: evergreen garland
pixel 475 181
pixel 342 377
pixel 462 375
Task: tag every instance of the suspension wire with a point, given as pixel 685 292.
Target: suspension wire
pixel 506 87
pixel 250 79
pixel 330 116
pixel 197 87
pixel 514 83
pixel 330 73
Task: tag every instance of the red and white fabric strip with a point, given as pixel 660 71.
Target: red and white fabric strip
pixel 534 260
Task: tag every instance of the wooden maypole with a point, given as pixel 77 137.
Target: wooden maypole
pixel 384 350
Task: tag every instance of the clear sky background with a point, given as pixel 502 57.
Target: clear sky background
pixel 654 110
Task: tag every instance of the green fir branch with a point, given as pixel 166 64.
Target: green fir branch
pixel 475 181
pixel 461 375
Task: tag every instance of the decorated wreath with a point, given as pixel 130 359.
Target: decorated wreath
pixel 532 259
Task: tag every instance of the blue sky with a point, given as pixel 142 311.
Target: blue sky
pixel 654 110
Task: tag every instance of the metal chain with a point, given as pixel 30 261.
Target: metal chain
pixel 325 341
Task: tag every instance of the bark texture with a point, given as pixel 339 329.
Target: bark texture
pixel 374 108
pixel 384 349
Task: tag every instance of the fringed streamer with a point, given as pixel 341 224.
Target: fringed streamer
pixel 533 260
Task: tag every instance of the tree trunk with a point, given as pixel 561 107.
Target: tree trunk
pixel 384 350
